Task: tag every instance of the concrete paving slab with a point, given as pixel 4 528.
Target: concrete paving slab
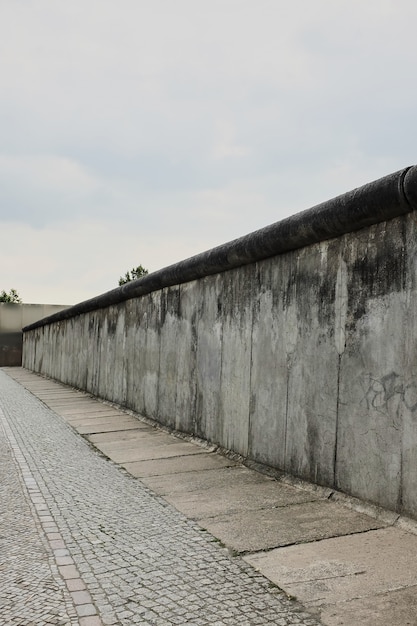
pixel 57 392
pixel 94 407
pixel 176 465
pixel 139 453
pixel 35 387
pixel 134 443
pixel 86 420
pixel 222 501
pixel 90 418
pixel 142 431
pixel 234 487
pixel 60 392
pixel 229 478
pixel 65 402
pixel 136 432
pixel 75 410
pixel 65 396
pixel 395 608
pixel 138 438
pixel 105 428
pixel 76 405
pixel 338 570
pixel 63 389
pixel 264 529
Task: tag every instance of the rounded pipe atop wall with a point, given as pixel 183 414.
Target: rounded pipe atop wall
pixel 378 201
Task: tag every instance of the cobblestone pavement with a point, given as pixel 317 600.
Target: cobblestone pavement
pixel 84 543
pixel 31 589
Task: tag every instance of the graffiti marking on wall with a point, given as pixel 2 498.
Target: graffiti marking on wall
pixel 391 392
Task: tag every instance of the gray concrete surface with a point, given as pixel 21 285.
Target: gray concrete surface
pixel 347 562
pixel 304 361
pixel 370 576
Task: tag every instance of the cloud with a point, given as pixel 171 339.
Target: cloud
pixel 77 260
pixel 190 123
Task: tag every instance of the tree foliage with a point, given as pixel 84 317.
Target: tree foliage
pixel 12 296
pixel 133 274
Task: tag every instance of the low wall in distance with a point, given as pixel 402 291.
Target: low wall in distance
pixel 295 346
pixel 13 317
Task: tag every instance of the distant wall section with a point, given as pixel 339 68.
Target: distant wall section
pixel 295 346
pixel 13 317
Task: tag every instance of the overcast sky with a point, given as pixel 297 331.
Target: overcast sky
pixel 146 131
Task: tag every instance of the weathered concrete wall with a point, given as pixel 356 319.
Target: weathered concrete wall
pixel 13 317
pixel 295 346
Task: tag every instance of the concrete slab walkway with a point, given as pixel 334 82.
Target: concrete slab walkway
pixel 346 563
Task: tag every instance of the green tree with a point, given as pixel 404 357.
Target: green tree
pixel 134 274
pixel 12 296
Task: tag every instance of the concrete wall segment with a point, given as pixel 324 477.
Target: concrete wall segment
pixel 304 361
pixel 209 326
pixel 272 326
pixel 186 382
pixel 313 371
pixel 235 300
pixel 168 368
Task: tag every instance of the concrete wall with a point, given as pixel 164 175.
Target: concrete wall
pixel 12 319
pixel 295 346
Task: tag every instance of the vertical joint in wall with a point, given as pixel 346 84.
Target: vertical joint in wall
pixel 336 442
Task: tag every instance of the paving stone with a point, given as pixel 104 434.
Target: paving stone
pixel 75 584
pixel 84 610
pixel 113 524
pixel 332 571
pixel 93 620
pixel 176 465
pixel 112 426
pixel 81 597
pixel 31 590
pixel 156 450
pixel 281 526
pixel 68 571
